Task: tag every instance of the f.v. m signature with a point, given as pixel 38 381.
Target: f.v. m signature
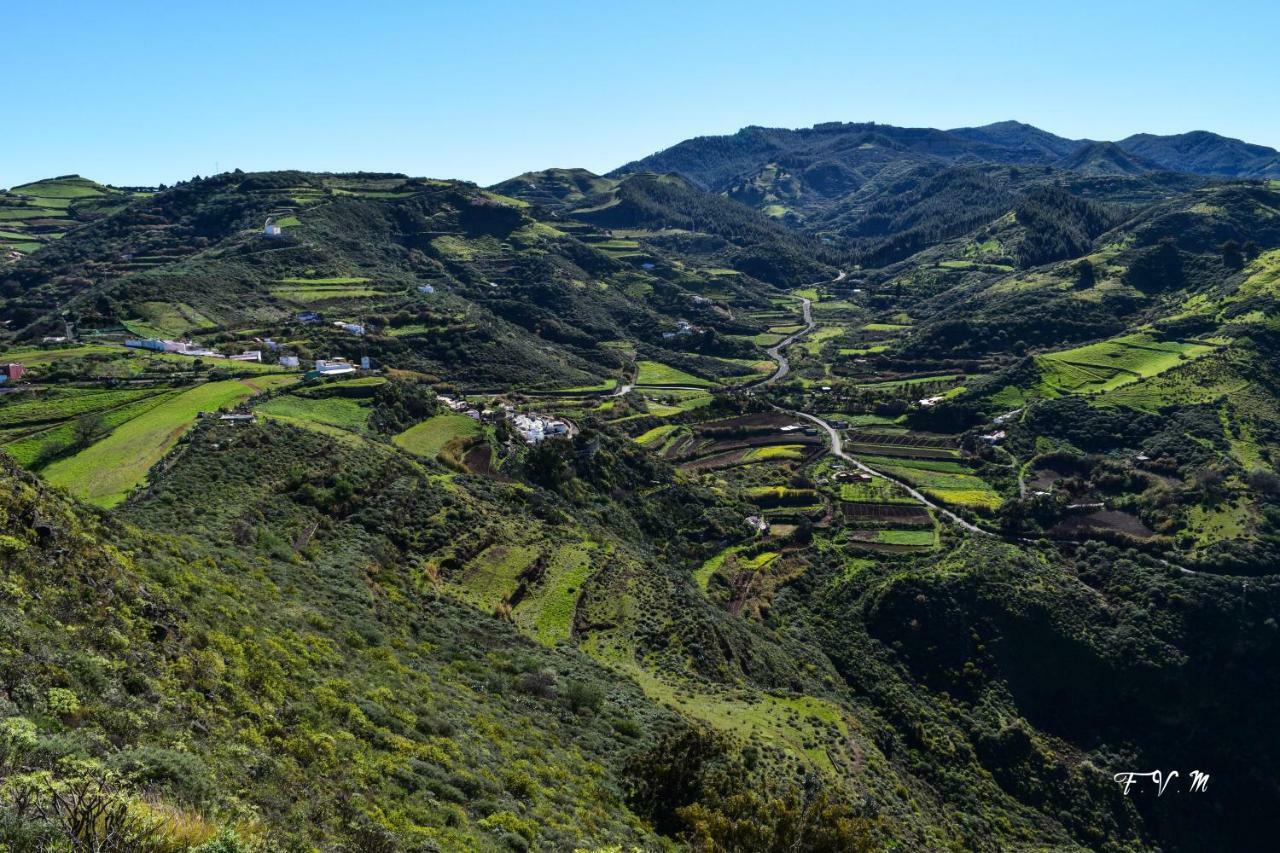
pixel 1199 781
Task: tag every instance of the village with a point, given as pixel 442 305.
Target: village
pixel 532 427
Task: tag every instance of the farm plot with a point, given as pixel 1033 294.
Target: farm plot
pixel 30 447
pixel 41 408
pixel 1113 363
pixel 945 486
pixel 1101 521
pixel 167 320
pixel 430 437
pixel 548 607
pixel 343 412
pixel 493 576
pixel 105 472
pixel 657 373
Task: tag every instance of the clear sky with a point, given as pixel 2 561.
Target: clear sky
pixel 147 92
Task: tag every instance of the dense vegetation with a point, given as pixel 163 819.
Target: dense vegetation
pixel 573 564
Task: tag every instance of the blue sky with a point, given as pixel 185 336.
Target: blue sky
pixel 148 92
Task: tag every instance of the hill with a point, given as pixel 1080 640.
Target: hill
pixel 1205 153
pixel 34 215
pixel 1106 158
pixel 884 497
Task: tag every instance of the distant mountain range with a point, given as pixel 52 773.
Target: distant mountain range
pixel 835 153
pixel 889 191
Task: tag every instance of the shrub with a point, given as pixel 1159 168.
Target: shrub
pixel 583 696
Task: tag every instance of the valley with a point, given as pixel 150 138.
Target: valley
pixel 847 488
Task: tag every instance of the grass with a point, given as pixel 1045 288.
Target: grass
pixel 343 412
pixel 429 437
pixel 63 403
pixel 28 447
pixel 657 373
pixel 877 490
pixel 33 357
pixel 105 472
pixel 167 320
pixel 1110 364
pixel 656 436
pixel 334 280
pixel 320 294
pixel 915 380
pixel 493 575
pixel 548 610
pixel 813 342
pixel 927 538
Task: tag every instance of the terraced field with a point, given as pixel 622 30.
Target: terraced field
pixel 656 373
pixel 1111 364
pixel 430 437
pixel 106 471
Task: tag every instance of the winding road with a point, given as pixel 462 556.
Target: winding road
pixel 778 354
pixel 776 351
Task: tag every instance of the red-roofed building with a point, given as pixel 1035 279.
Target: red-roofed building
pixel 12 372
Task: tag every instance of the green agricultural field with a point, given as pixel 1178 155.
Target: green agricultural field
pixel 656 373
pixel 1113 363
pixel 105 472
pixel 774 452
pixel 343 412
pixel 928 538
pixel 812 343
pixel 308 295
pixel 29 447
pixel 915 380
pixel 656 436
pixel 492 576
pixel 33 357
pixel 167 320
pixel 877 490
pixel 323 282
pixel 429 437
pixel 63 403
pixel 964 490
pixel 61 188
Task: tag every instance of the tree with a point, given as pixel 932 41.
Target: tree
pixel 1232 258
pixel 88 428
pixel 1157 268
pixel 1086 275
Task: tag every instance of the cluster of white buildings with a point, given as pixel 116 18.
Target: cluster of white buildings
pixel 534 428
pixel 683 327
pixel 333 367
pixel 189 348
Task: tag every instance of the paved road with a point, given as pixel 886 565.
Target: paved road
pixel 837 449
pixel 778 354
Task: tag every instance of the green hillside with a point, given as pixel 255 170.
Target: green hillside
pixel 858 488
pixel 35 215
